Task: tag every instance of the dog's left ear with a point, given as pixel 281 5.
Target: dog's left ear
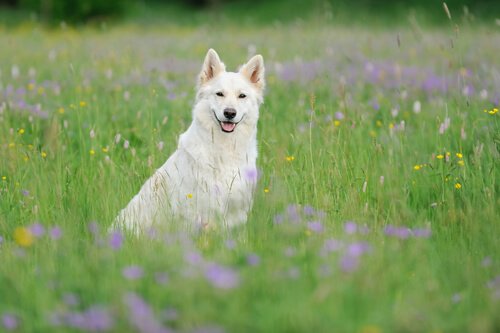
pixel 253 70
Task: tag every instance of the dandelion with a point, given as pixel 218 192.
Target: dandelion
pixel 459 155
pixel 290 158
pixel 493 111
pixel 23 236
pixel 92 152
pixel 458 186
pixel 83 104
pixel 266 190
pixel 189 196
pixel 417 167
pixel 336 123
pixel 4 178
pixel 105 149
pixel 20 131
pixel 440 156
pixel 43 154
pixel 61 110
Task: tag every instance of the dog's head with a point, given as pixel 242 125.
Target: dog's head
pixel 228 100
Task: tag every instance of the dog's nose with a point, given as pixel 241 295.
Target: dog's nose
pixel 229 113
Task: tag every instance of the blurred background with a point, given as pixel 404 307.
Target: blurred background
pixel 245 11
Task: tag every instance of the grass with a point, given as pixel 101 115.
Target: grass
pixel 349 136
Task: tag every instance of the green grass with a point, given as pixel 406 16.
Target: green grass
pixel 361 168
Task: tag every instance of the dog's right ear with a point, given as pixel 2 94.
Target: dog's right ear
pixel 212 66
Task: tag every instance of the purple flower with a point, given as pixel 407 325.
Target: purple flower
pixel 422 233
pixel 55 233
pixel 251 174
pixel 230 244
pixel 350 227
pixel 222 277
pixel 339 115
pixel 279 218
pixel 141 315
pixel 315 226
pixel 1 240
pixel 253 259
pixel 25 192
pixel 358 249
pixel 193 258
pixel 349 263
pixel 98 319
pixel 116 240
pixel 132 272
pixel 70 299
pixel 293 213
pixel 37 230
pixel 399 232
pixel 9 321
pixel 161 278
pixel 308 210
pixel 330 245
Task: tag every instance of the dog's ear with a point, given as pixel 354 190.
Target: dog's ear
pixel 253 70
pixel 212 66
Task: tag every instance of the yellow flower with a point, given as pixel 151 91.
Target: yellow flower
pixel 23 237
pixel 43 154
pixel 458 186
pixel 417 167
pixel 493 111
pixel 61 110
pixel 4 177
pixel 461 163
pixel 391 126
pixel 12 145
pixel 92 152
pixel 336 123
pixel 31 86
pixel 266 190
pixel 290 158
pixel 83 104
pixel 105 149
pixel 448 153
pixel 440 156
pixel 372 133
pixel 459 155
pixel 189 196
pixel 21 131
pixel 378 123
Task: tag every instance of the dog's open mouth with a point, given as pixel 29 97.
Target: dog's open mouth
pixel 227 126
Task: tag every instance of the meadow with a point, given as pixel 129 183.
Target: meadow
pixel 376 207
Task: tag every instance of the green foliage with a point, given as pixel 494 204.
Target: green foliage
pixel 86 116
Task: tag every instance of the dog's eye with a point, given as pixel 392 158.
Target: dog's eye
pixel 242 96
pixel 220 94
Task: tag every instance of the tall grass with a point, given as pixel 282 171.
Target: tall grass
pixel 376 209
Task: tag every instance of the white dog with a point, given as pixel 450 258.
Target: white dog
pixel 210 178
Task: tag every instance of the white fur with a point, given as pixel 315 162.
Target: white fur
pixel 203 182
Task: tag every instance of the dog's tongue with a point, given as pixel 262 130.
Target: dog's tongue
pixel 228 127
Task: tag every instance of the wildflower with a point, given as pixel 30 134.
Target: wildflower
pixel 458 186
pixel 417 167
pixel 126 144
pixel 4 178
pixel 350 227
pixel 92 152
pixel 55 233
pixel 378 123
pixel 417 106
pixel 61 110
pixel 83 104
pixel 105 149
pixel 132 272
pixel 459 155
pixel 440 156
pixel 9 321
pixel 189 196
pixel 23 236
pixel 290 158
pixel 349 263
pixel 266 190
pixel 461 163
pixel 116 240
pixel 37 230
pixel 221 277
pixel 20 131
pixel 315 226
pixel 253 259
pixel 336 123
pixel 251 174
pixel 141 315
pixel 43 154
